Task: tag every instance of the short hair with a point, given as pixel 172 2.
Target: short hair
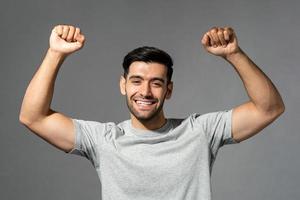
pixel 149 55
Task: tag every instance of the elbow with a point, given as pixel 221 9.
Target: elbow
pixel 274 110
pixel 24 120
pixel 280 108
pixel 281 111
pixel 277 111
pixel 28 118
pixel 272 113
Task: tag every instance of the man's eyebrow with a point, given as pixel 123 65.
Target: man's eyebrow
pixel 152 79
pixel 135 76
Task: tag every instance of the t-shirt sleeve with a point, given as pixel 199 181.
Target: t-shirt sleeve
pixel 217 128
pixel 88 138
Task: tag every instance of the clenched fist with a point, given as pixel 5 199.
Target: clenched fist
pixel 66 39
pixel 220 41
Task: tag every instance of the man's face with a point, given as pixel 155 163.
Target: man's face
pixel 146 88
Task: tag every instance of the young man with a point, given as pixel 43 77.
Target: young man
pixel 150 156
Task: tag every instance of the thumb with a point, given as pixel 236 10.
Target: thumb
pixel 78 42
pixel 80 38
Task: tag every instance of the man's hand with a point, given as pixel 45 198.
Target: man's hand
pixel 220 41
pixel 66 39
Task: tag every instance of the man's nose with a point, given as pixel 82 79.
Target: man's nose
pixel 146 90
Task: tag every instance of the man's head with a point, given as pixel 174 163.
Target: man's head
pixel 148 55
pixel 147 82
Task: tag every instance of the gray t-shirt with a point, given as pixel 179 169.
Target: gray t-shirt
pixel 173 162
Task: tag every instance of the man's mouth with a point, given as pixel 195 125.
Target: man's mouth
pixel 144 104
pixel 139 102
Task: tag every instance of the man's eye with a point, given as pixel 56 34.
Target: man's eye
pixel 157 84
pixel 135 82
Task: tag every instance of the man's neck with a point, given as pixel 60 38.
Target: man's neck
pixel 152 124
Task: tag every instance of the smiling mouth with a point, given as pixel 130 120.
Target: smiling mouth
pixel 140 102
pixel 145 104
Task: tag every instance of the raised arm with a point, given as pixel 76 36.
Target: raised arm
pixel 265 103
pixel 36 114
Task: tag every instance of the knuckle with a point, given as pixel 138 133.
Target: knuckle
pixel 214 30
pixel 229 29
pixel 66 27
pixel 57 28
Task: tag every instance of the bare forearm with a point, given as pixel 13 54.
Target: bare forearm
pixel 39 93
pixel 259 87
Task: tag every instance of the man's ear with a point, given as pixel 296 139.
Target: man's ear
pixel 169 90
pixel 122 85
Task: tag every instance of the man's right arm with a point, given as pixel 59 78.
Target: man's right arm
pixel 36 114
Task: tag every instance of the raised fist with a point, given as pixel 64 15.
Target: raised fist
pixel 220 41
pixel 66 39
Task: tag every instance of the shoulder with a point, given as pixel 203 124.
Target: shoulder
pixel 95 127
pixel 212 115
pixel 91 123
pixel 196 119
pixel 187 121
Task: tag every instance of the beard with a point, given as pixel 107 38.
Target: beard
pixel 144 117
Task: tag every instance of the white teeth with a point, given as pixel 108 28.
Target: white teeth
pixel 144 102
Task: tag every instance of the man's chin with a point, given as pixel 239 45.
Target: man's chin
pixel 144 117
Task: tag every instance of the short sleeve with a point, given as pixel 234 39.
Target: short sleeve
pixel 217 128
pixel 88 139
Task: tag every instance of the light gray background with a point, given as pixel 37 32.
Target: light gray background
pixel 263 167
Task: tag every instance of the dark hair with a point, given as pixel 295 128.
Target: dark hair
pixel 148 55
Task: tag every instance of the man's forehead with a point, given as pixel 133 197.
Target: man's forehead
pixel 139 68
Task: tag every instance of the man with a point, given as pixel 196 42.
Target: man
pixel 151 156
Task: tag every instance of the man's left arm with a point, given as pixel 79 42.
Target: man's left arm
pixel 265 103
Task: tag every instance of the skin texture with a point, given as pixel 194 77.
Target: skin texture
pixel 146 82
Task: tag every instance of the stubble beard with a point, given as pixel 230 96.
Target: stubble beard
pixel 154 113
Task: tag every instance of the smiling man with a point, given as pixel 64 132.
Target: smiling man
pixel 147 83
pixel 150 156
